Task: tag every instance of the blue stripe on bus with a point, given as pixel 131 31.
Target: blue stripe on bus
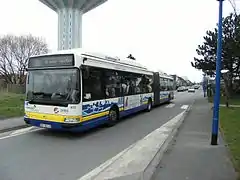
pixel 133 110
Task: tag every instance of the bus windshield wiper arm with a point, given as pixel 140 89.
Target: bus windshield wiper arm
pixel 39 93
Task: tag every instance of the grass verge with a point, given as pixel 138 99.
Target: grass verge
pixel 232 101
pixel 230 125
pixel 11 105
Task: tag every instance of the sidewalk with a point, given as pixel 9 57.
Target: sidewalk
pixel 191 157
pixel 12 124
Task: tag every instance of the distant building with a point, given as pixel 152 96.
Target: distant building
pixel 180 81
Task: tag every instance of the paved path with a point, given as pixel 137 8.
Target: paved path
pixel 191 156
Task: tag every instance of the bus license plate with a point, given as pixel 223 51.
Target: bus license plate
pixel 45 125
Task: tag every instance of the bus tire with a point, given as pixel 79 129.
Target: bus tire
pixel 169 98
pixel 149 105
pixel 113 116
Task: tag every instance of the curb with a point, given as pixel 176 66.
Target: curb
pixel 127 166
pixel 224 105
pixel 158 157
pixel 14 128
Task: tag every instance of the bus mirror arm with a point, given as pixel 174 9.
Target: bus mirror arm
pixel 84 59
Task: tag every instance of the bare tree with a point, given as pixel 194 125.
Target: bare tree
pixel 14 54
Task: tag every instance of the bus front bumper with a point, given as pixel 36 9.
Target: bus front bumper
pixel 72 127
pixel 54 125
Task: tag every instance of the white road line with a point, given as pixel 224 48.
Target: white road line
pixel 20 132
pixel 136 157
pixel 170 106
pixel 184 106
pixel 103 166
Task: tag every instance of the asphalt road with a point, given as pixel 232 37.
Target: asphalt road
pixel 45 155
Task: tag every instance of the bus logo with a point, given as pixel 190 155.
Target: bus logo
pixel 56 110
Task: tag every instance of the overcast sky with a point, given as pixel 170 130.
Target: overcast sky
pixel 161 34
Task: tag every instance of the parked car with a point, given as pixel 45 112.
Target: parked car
pixel 181 89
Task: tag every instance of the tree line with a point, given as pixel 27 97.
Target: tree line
pixel 206 52
pixel 14 54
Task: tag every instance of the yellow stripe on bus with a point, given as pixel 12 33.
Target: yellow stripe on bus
pixel 49 117
pixel 145 102
pixel 98 115
pixel 90 117
pixel 60 118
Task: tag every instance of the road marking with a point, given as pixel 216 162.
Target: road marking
pixel 20 132
pixel 170 106
pixel 137 156
pixel 184 106
pixel 103 166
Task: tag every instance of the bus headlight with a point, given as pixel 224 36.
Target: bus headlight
pixel 72 120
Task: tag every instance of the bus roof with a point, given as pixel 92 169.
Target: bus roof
pixel 68 51
pixel 165 75
pixel 109 59
pixel 100 57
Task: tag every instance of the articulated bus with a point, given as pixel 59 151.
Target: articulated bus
pixel 74 90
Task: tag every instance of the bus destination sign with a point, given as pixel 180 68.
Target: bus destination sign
pixel 51 61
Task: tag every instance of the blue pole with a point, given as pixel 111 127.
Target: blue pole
pixel 214 139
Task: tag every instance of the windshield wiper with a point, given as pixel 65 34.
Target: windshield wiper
pixel 39 93
pixel 31 101
pixel 47 102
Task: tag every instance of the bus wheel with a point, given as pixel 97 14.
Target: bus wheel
pixel 112 117
pixel 169 98
pixel 149 105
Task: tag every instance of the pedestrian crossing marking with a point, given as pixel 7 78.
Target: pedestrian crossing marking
pixel 184 106
pixel 170 105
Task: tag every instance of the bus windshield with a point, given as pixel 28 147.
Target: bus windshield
pixel 53 86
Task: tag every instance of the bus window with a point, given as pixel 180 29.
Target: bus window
pixel 92 85
pixel 139 84
pixel 149 84
pixel 170 84
pixel 129 84
pixel 162 87
pixel 165 84
pixel 112 83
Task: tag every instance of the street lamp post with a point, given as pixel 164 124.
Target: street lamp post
pixel 214 139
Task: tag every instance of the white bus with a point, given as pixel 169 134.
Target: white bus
pixel 76 90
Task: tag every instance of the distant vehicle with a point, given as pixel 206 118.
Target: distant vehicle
pixel 181 89
pixel 191 89
pixel 196 87
pixel 74 90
